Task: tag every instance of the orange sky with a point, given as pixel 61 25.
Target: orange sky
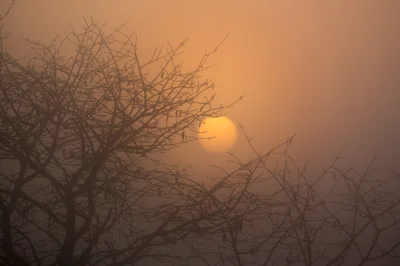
pixel 328 71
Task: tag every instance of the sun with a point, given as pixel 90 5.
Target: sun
pixel 222 129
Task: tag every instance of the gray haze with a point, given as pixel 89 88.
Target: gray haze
pixel 327 71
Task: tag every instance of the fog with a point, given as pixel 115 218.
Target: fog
pixel 325 71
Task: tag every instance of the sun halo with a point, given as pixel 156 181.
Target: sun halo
pixel 222 132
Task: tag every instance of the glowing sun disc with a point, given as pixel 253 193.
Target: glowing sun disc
pixel 224 131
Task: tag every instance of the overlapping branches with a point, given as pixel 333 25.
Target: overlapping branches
pixel 79 185
pixel 76 132
pixel 341 217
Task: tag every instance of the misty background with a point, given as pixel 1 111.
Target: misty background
pixel 327 71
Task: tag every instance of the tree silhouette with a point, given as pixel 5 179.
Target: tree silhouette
pixel 340 217
pixel 77 132
pixel 80 183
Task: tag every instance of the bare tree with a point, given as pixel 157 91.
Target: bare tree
pixel 81 183
pixel 340 217
pixel 78 132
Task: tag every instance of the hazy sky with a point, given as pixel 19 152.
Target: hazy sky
pixel 328 71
